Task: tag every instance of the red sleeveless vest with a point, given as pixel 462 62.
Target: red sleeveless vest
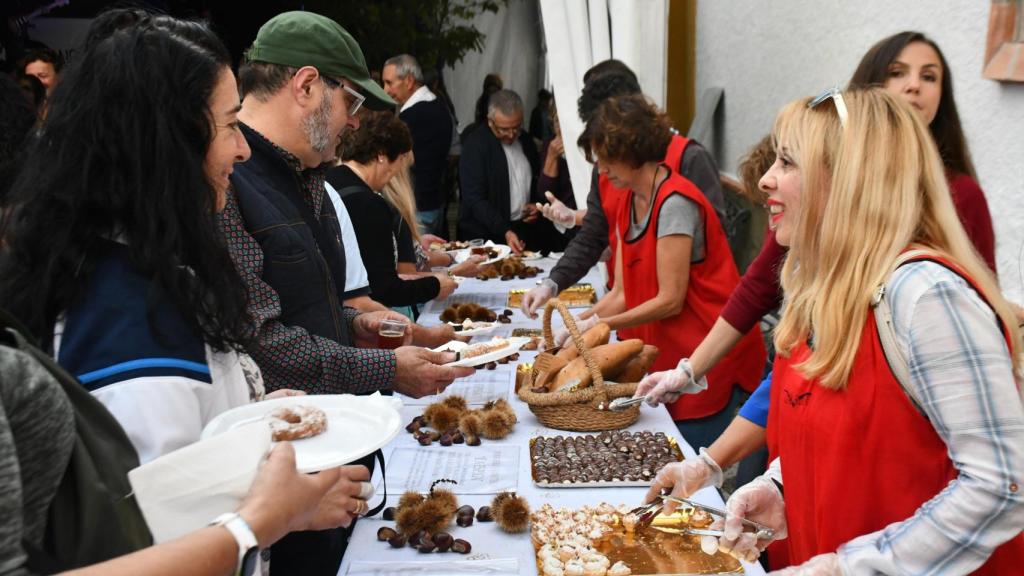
pixel 844 449
pixel 710 283
pixel 611 197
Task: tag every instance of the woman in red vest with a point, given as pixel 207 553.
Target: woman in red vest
pixel 882 475
pixel 672 258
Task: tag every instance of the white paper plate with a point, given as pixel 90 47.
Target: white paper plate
pixel 482 328
pixel 530 256
pixel 514 344
pixel 503 252
pixel 356 426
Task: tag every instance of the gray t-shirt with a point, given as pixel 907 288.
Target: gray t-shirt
pixel 679 215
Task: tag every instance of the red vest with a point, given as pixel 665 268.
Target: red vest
pixel 611 197
pixel 710 283
pixel 859 459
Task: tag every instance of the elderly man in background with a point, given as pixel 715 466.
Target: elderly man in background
pixel 431 127
pixel 498 177
pixel 302 82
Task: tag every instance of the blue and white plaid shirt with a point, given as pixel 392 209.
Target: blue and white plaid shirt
pixel 961 372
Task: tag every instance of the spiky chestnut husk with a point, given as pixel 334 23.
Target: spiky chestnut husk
pixel 511 512
pixel 441 417
pixel 409 499
pixel 430 516
pixel 456 402
pixel 495 425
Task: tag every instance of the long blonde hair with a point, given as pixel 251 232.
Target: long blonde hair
pixel 869 191
pixel 399 192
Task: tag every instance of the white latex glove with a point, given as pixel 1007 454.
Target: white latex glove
pixel 666 387
pixel 685 478
pixel 557 211
pixel 820 565
pixel 537 297
pixel 561 335
pixel 760 501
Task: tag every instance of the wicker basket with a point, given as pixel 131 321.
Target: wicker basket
pixel 578 411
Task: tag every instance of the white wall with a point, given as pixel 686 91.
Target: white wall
pixel 766 54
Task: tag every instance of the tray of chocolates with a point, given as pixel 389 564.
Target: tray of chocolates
pixel 575 296
pixel 611 459
pixel 607 540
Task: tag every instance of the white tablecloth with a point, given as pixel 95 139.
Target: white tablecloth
pixel 488 541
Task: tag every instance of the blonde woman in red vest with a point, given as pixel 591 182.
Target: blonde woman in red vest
pixel 882 476
pixel 674 270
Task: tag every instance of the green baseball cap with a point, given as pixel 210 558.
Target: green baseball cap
pixel 300 39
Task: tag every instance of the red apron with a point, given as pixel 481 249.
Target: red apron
pixel 611 198
pixel 710 283
pixel 859 459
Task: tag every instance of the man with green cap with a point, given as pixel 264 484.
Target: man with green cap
pixel 302 82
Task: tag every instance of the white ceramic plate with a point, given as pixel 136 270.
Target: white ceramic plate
pixel 503 252
pixel 514 344
pixel 478 328
pixel 356 426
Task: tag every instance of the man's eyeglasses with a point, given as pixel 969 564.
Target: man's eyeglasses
pixel 837 98
pixel 355 99
pixel 506 130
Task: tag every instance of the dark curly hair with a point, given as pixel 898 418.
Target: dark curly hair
pixel 601 87
pixel 946 129
pixel 121 155
pixel 627 129
pixel 378 133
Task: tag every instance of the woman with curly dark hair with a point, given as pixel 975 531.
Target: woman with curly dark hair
pixel 372 155
pixel 112 255
pixel 673 259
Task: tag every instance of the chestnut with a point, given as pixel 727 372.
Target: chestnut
pixel 389 513
pixel 427 544
pixel 443 541
pixel 385 533
pixel 446 439
pixel 417 537
pixel 464 520
pixel 461 546
pixel 465 509
pixel 398 541
pixel 484 514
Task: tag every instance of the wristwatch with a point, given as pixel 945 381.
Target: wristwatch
pixel 248 547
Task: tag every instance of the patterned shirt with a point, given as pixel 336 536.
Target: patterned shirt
pixel 962 378
pixel 289 356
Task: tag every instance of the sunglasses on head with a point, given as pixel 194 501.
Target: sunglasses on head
pixel 836 96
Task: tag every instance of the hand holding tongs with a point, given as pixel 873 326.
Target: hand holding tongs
pixel 647 513
pixel 623 403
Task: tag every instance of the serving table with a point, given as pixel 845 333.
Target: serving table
pixel 489 466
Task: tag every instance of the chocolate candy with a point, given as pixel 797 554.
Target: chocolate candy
pixel 606 457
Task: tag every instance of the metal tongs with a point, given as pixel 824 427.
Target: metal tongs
pixel 647 512
pixel 624 403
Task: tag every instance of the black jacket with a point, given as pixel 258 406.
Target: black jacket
pixel 269 194
pixel 483 180
pixel 431 128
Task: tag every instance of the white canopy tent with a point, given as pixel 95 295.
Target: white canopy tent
pixel 580 33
